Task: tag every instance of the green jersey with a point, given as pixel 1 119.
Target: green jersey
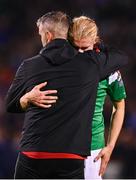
pixel 114 87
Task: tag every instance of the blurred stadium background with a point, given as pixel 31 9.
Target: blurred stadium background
pixel 19 39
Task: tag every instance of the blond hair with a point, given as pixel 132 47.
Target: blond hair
pixel 84 27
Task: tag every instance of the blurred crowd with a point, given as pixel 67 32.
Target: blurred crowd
pixel 19 40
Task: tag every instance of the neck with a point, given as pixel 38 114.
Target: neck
pixel 60 37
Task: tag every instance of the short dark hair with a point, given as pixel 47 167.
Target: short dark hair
pixel 56 21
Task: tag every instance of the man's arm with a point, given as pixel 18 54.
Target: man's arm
pixel 109 60
pixel 17 100
pixel 16 90
pixel 38 97
pixel 116 125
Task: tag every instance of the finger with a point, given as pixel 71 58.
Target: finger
pixel 103 167
pixel 102 171
pixel 44 102
pixel 39 86
pixel 50 92
pixel 44 106
pixel 98 157
pixel 47 101
pixel 50 98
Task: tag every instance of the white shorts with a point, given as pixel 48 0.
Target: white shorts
pixel 92 168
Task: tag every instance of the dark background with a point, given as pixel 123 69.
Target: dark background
pixel 19 39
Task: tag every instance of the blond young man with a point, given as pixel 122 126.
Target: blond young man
pixel 55 141
pixel 83 31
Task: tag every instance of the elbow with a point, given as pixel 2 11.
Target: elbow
pixel 11 107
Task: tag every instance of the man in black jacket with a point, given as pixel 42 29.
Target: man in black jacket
pixel 55 142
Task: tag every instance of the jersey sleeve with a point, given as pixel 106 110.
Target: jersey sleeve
pixel 116 88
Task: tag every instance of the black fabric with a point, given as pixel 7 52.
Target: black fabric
pixel 66 126
pixel 28 168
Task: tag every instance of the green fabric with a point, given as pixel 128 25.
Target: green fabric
pixel 114 87
pixel 99 138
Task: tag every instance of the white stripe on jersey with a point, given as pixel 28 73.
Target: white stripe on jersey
pixel 115 76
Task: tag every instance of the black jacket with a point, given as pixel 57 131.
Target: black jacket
pixel 65 127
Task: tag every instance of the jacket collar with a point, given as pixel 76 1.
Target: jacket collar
pixel 58 51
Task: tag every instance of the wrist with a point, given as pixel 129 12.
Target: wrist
pixel 110 146
pixel 25 101
pixel 27 97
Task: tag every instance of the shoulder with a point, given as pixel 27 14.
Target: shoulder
pixel 116 76
pixel 35 61
pixel 32 59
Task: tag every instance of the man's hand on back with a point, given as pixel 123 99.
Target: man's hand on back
pixel 38 97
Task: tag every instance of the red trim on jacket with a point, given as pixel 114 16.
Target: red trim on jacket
pixel 48 155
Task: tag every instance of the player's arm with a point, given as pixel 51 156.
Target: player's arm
pixel 116 91
pixel 117 119
pixel 116 125
pixel 43 99
pixel 117 95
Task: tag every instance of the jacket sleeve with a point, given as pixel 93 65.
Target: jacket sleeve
pixel 16 91
pixel 109 61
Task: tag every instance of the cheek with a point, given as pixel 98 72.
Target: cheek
pixel 76 43
pixel 85 43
